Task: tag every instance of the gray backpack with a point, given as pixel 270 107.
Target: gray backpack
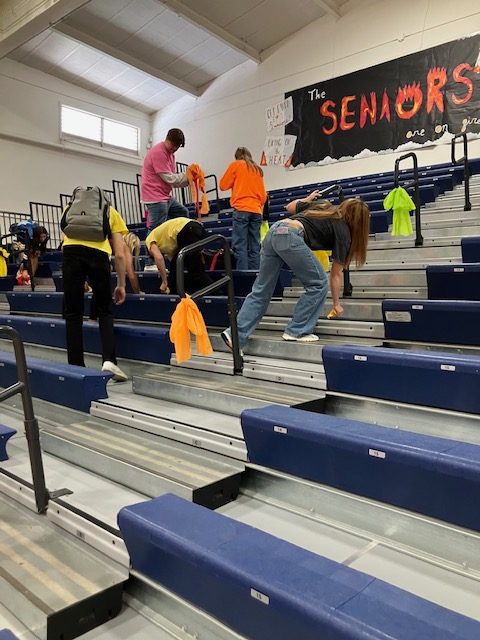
pixel 87 216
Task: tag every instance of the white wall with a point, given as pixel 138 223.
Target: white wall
pixel 35 164
pixel 231 112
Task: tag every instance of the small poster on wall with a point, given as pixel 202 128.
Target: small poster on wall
pixel 278 150
pixel 412 101
pixel 280 114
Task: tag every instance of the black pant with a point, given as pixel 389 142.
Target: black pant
pixel 196 278
pixel 80 263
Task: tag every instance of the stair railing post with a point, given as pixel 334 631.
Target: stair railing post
pixel 416 196
pixel 466 167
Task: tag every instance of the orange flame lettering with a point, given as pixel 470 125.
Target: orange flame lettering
pixel 436 80
pixel 410 93
pixel 367 110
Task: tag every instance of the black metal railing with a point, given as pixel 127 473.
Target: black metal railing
pixel 7 218
pixel 466 167
pixel 22 386
pixel 48 216
pixel 65 199
pixel 213 189
pixel 126 199
pixel 226 279
pixel 416 194
pixel 182 194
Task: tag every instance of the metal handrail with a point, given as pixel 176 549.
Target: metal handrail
pixel 334 188
pixel 415 184
pixel 22 387
pixel 215 187
pixel 466 167
pixel 227 279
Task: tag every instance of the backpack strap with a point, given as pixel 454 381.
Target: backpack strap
pixel 104 205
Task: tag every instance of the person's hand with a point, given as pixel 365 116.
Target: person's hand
pixel 164 287
pixel 336 312
pixel 313 196
pixel 119 295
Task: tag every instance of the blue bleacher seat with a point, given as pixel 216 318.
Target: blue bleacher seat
pixel 150 308
pixel 7 283
pixel 430 475
pixel 6 634
pixel 471 249
pixel 424 378
pixel 150 344
pixel 453 281
pixel 64 384
pixel 5 434
pixel 443 321
pixel 263 587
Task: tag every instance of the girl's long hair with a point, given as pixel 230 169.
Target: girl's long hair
pixel 242 153
pixel 133 243
pixel 356 214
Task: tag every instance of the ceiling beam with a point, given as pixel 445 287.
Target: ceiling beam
pixel 22 21
pixel 116 52
pixel 207 25
pixel 329 7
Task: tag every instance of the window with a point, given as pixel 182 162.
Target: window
pixel 78 124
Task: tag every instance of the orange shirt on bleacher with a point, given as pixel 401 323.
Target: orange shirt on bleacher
pixel 248 189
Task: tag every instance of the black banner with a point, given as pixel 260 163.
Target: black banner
pixel 418 98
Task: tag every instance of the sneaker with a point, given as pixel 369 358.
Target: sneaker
pixel 118 374
pixel 150 267
pixel 309 337
pixel 225 335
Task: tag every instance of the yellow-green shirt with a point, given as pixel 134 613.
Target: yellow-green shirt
pixel 165 235
pixel 117 225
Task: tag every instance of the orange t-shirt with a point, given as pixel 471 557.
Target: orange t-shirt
pixel 248 189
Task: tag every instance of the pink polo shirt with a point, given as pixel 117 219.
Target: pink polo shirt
pixel 158 160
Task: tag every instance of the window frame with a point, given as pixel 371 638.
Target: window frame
pixel 98 144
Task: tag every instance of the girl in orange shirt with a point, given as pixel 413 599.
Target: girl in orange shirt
pixel 245 178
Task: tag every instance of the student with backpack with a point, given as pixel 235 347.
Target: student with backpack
pixel 88 223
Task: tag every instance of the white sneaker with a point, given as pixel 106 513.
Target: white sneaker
pixel 150 267
pixel 225 335
pixel 309 337
pixel 118 374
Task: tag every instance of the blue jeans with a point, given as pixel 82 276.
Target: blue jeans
pixel 159 212
pixel 284 243
pixel 246 239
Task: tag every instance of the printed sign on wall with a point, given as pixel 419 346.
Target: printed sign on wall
pixel 415 99
pixel 278 150
pixel 280 114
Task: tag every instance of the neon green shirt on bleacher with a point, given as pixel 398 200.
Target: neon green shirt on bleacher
pixel 117 225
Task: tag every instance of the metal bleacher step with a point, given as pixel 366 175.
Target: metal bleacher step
pixel 357 328
pixel 364 309
pixel 145 462
pixel 54 584
pixel 291 372
pixel 224 395
pixel 446 249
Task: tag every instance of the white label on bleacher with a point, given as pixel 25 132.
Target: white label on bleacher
pixel 376 453
pixel 458 270
pixel 398 316
pixel 360 358
pixel 259 596
pixel 418 307
pixel 447 367
pixel 280 429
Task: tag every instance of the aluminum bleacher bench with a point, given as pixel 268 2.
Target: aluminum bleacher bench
pixel 431 379
pixel 440 321
pixel 263 587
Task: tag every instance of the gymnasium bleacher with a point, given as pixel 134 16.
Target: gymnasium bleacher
pixel 326 492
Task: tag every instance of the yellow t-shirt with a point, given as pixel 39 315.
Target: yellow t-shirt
pixel 165 235
pixel 117 225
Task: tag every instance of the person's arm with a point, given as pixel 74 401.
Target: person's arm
pixel 160 262
pixel 291 207
pixel 336 277
pixel 174 179
pixel 228 179
pixel 120 267
pixel 131 275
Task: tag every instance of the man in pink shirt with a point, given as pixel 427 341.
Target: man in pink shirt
pixel 159 177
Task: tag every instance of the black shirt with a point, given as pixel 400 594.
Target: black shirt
pixel 328 234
